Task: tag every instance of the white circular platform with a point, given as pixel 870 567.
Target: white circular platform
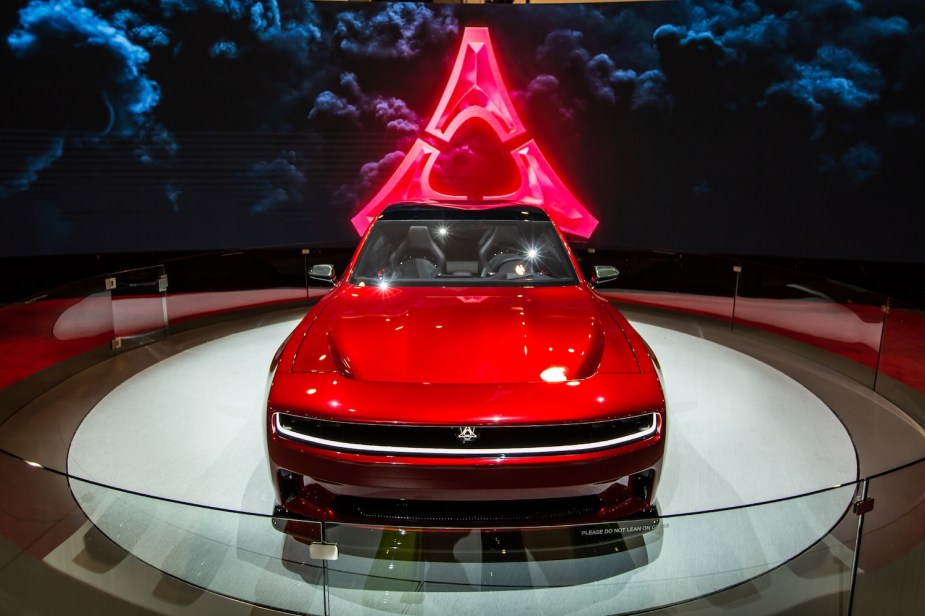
pixel 189 428
pixel 739 433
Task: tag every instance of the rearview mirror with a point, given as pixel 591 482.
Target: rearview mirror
pixel 323 272
pixel 604 273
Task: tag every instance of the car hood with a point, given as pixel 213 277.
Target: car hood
pixel 440 335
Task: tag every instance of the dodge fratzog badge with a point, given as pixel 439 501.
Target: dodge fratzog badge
pixel 466 434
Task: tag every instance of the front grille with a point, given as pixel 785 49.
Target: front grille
pixel 464 512
pixel 466 441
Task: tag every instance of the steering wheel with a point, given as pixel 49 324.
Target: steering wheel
pixel 503 262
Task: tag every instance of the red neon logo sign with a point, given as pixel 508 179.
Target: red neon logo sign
pixel 475 93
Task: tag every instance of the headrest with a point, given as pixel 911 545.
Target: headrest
pixel 419 238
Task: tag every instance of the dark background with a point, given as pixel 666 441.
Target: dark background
pixel 131 130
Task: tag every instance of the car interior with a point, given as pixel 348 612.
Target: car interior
pixel 424 250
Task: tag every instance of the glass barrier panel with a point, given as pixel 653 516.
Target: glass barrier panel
pixel 901 371
pixel 138 305
pixel 842 321
pixel 891 557
pixel 215 284
pixel 52 327
pixel 45 544
pixel 238 555
pixel 614 568
pixel 66 542
pixel 684 283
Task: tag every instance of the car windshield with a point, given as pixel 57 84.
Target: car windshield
pixel 463 252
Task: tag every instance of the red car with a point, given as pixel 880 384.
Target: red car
pixel 464 373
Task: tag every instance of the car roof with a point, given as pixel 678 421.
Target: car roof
pixel 462 211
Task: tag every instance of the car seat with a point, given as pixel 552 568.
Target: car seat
pixel 418 256
pixel 500 249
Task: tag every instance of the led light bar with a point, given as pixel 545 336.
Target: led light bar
pixel 336 445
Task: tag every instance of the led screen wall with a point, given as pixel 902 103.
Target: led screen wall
pixel 781 128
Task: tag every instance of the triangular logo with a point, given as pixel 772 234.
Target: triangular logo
pixel 476 91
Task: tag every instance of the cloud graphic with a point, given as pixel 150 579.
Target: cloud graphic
pixel 224 49
pixel 263 16
pixel 399 31
pixel 546 92
pixel 291 98
pixel 877 30
pixel 856 166
pixel 651 92
pixel 372 176
pixel 358 111
pixel 356 106
pixel 607 82
pixel 94 86
pixel 49 27
pixel 818 69
pixel 263 58
pixel 31 168
pixel 277 182
pixel 563 49
pixel 397 117
pixel 564 55
pixel 138 30
pixel 329 105
pixel 812 53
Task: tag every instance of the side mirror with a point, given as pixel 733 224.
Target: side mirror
pixel 604 273
pixel 323 272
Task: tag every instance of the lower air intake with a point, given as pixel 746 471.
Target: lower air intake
pixel 465 512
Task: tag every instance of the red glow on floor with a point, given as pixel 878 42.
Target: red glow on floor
pixel 475 124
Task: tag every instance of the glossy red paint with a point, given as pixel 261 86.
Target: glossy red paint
pixel 475 96
pixel 431 335
pixel 338 398
pixel 456 356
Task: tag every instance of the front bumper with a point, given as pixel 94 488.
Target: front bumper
pixel 495 491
